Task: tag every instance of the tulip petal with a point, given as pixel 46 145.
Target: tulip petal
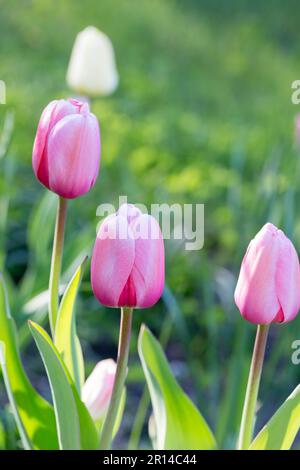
pixel 288 278
pixel 40 166
pixel 130 212
pixel 72 172
pixel 97 390
pixel 148 273
pixel 255 293
pixel 55 111
pixel 128 295
pixel 112 260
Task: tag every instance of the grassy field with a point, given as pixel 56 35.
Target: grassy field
pixel 203 114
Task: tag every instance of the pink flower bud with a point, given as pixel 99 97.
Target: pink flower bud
pixel 268 288
pixel 128 260
pixel 66 151
pixel 97 390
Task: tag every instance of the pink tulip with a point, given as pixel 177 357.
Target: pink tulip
pixel 66 151
pixel 128 260
pixel 268 288
pixel 97 390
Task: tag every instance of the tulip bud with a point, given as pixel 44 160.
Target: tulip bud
pixel 92 69
pixel 268 286
pixel 97 390
pixel 66 151
pixel 127 268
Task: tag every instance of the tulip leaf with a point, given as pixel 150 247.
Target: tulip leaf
pixel 76 429
pixel 43 215
pixel 33 414
pixel 281 430
pixel 120 413
pixel 66 339
pixel 178 423
pixel 24 436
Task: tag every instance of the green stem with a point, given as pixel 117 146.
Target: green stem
pixel 247 423
pixel 122 362
pixel 56 261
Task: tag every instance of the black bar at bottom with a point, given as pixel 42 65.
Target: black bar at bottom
pixel 135 459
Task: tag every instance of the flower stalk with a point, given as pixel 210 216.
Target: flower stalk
pixel 122 363
pixel 247 423
pixel 56 260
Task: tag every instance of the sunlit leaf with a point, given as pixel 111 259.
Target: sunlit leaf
pixel 27 444
pixel 120 413
pixel 76 429
pixel 36 414
pixel 179 424
pixel 280 432
pixel 66 339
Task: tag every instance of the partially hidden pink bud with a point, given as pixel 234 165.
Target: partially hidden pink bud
pixel 97 390
pixel 66 151
pixel 128 263
pixel 268 288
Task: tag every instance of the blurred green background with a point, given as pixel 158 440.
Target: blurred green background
pixel 203 114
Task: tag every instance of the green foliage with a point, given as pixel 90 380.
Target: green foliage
pixel 34 415
pixel 178 423
pixel 280 432
pixel 75 427
pixel 27 445
pixel 66 339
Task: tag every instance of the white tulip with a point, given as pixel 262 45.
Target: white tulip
pixel 92 69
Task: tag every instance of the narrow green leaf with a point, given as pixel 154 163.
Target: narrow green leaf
pixel 6 133
pixel 63 398
pixel 43 215
pixel 179 424
pixel 75 426
pixel 280 432
pixel 120 413
pixel 24 436
pixel 7 169
pixel 36 414
pixel 3 437
pixel 66 339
